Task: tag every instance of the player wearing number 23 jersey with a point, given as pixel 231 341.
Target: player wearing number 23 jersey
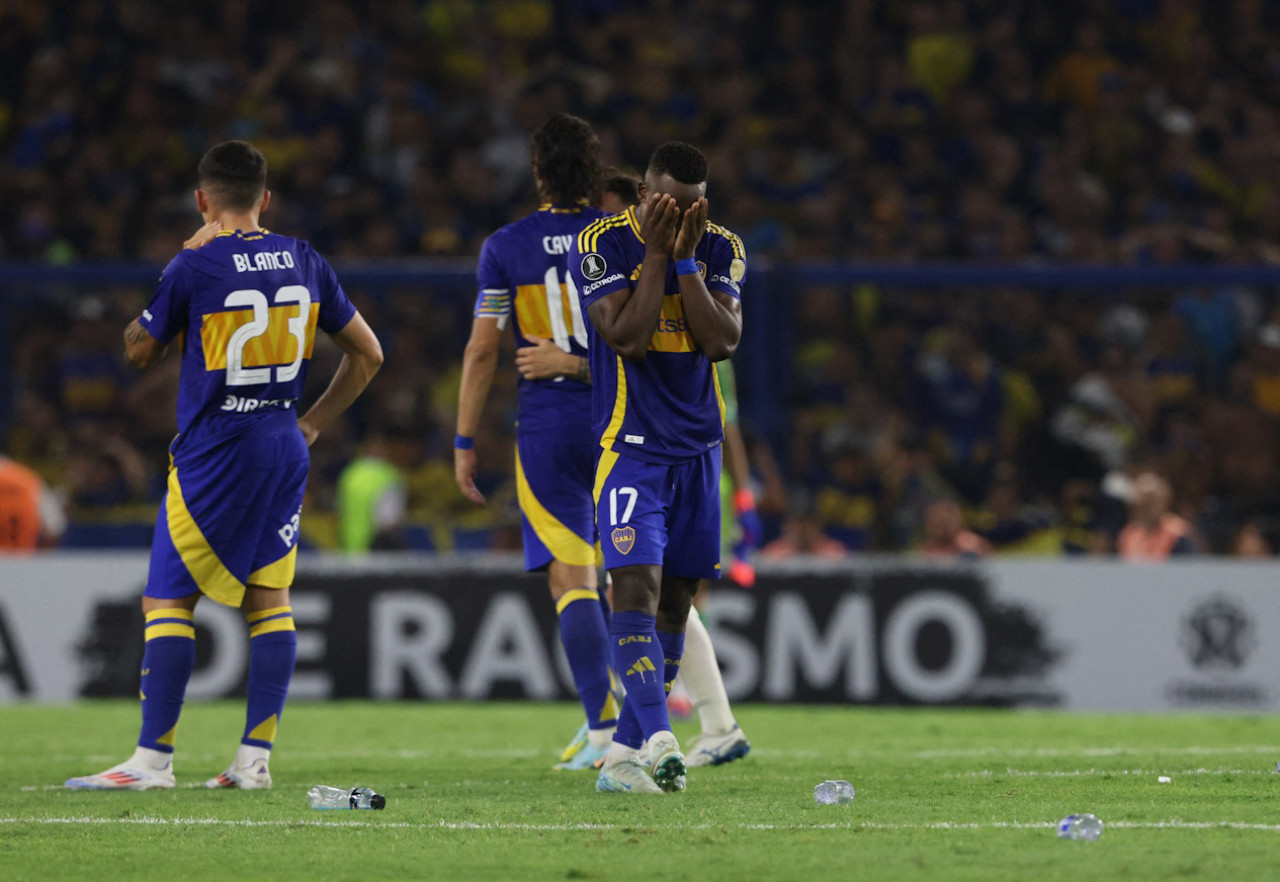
pixel 246 307
pixel 242 306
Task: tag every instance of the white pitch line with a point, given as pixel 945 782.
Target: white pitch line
pixel 976 773
pixel 470 753
pixel 1098 751
pixel 1090 773
pixel 189 785
pixel 465 826
pixel 764 752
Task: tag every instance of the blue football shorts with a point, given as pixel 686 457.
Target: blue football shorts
pixel 230 517
pixel 554 475
pixel 668 515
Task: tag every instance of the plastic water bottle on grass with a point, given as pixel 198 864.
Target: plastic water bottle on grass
pixel 1082 828
pixel 324 797
pixel 833 793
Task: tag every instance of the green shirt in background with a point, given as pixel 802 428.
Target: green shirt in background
pixel 371 498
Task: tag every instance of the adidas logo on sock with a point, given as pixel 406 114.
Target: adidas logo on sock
pixel 640 667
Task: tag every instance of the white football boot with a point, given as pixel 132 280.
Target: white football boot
pixel 147 769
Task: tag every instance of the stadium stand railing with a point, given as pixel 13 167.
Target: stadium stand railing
pixel 771 328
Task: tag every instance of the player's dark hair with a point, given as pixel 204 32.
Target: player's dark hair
pixel 233 174
pixel 566 159
pixel 684 162
pixel 627 187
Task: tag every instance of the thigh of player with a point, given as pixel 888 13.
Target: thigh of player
pixel 632 501
pixel 693 549
pixel 230 518
pixel 554 475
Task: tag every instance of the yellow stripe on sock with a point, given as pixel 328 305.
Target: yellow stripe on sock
pixel 564 544
pixel 266 613
pixel 609 712
pixel 169 613
pixel 576 594
pixel 168 738
pixel 284 623
pixel 266 730
pixel 170 629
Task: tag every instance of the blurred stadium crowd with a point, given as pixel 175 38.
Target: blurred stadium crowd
pixel 1126 132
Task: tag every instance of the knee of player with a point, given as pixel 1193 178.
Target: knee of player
pixel 635 588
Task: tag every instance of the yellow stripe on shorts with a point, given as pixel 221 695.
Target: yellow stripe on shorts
pixel 565 545
pixel 210 575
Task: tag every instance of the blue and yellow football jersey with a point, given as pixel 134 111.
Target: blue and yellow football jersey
pixel 523 271
pixel 250 304
pixel 666 408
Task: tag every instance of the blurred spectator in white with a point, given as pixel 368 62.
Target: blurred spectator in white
pixel 1104 411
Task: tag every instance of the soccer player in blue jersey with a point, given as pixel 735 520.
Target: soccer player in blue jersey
pixel 523 273
pixel 243 305
pixel 661 286
pixel 722 740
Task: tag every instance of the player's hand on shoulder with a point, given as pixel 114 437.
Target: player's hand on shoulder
pixel 544 360
pixel 203 236
pixel 661 221
pixel 464 472
pixel 692 226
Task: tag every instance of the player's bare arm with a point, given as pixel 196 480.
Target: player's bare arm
pixel 479 362
pixel 627 319
pixel 140 348
pixel 544 360
pixel 361 358
pixel 715 318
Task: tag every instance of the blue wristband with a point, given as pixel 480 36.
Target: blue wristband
pixel 463 442
pixel 686 266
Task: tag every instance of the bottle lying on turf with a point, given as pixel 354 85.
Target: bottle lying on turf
pixel 323 797
pixel 833 793
pixel 1084 827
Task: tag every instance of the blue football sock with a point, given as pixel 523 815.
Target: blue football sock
pixel 586 645
pixel 638 658
pixel 273 651
pixel 168 659
pixel 606 610
pixel 672 652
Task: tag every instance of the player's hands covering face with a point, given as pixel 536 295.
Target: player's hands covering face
pixel 692 227
pixel 661 221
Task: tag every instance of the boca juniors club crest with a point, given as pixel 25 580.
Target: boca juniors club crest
pixel 624 539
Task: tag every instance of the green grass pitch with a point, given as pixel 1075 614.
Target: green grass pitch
pixel 941 794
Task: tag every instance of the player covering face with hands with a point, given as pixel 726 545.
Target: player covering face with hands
pixel 661 285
